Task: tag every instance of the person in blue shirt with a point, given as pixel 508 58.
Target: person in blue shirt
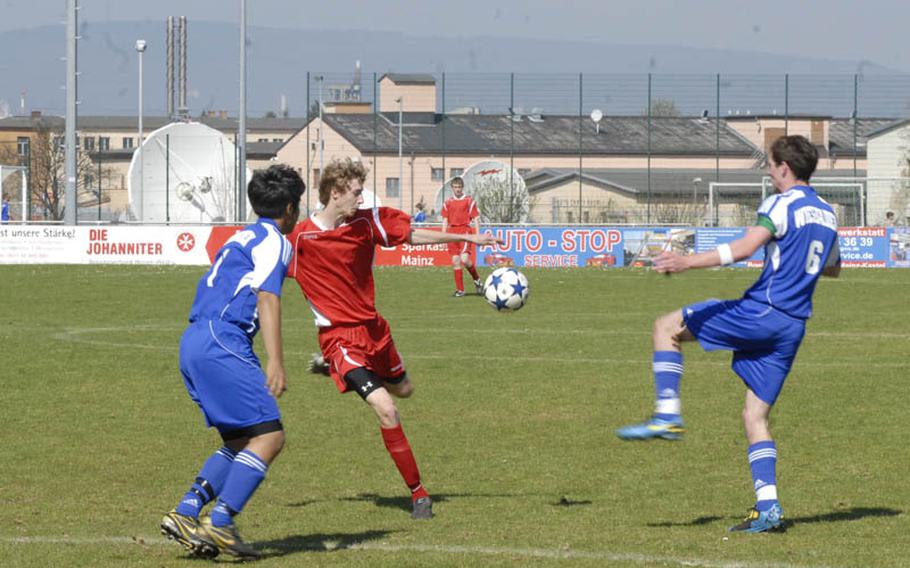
pixel 240 293
pixel 4 210
pixel 764 328
pixel 421 215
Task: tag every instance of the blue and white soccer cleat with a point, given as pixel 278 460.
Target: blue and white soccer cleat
pixel 762 521
pixel 653 428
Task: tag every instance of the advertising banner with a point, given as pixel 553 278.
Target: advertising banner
pixel 709 238
pixel 553 247
pixel 416 255
pixel 37 244
pixel 898 247
pixel 865 247
pixel 533 246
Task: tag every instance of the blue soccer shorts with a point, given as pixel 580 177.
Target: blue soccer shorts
pixel 223 376
pixel 764 340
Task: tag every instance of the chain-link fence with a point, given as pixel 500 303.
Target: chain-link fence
pixel 591 148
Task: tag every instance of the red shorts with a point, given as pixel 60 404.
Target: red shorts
pixel 460 247
pixel 368 345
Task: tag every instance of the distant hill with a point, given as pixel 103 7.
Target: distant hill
pixel 476 72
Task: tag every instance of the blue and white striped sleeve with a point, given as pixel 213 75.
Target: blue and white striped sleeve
pixel 271 258
pixel 772 214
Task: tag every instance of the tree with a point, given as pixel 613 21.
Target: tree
pixel 662 108
pixel 900 190
pixel 500 201
pixel 46 166
pixel 314 109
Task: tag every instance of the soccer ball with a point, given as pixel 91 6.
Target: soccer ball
pixel 506 289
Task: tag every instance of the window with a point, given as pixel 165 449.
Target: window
pixel 88 143
pixel 392 187
pixel 455 172
pixel 127 142
pixel 278 140
pixel 523 172
pixel 262 140
pixel 437 174
pixel 22 145
pixel 104 144
pixel 87 182
pixel 58 143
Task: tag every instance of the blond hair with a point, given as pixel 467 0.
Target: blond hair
pixel 337 175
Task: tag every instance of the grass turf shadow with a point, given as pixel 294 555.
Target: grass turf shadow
pixel 851 514
pixel 404 503
pixel 316 542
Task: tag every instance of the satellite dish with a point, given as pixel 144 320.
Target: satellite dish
pixel 488 182
pixel 597 115
pixel 184 191
pixel 186 175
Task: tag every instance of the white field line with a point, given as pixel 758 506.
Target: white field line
pixel 76 336
pixel 557 554
pixel 66 334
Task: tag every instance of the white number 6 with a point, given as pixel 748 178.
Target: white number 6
pixel 814 258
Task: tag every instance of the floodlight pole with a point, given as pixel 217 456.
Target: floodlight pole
pixel 140 48
pixel 320 79
pixel 25 195
pixel 241 197
pixel 400 162
pixel 70 141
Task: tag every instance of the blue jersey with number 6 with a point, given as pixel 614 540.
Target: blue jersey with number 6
pixel 255 258
pixel 804 233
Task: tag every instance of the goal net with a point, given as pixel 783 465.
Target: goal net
pixel 14 190
pixel 857 201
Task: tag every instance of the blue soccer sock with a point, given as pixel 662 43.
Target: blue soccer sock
pixel 208 483
pixel 763 463
pixel 246 474
pixel 668 369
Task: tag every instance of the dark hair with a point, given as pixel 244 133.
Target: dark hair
pixel 337 175
pixel 273 189
pixel 796 152
pixel 459 180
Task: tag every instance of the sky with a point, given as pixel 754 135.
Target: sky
pixel 874 30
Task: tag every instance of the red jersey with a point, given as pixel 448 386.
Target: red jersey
pixel 334 266
pixel 460 211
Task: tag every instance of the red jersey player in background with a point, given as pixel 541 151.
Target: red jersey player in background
pixel 334 267
pixel 458 212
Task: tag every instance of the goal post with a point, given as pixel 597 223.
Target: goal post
pixel 857 201
pixel 730 202
pixel 16 191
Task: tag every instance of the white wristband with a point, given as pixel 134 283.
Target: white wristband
pixel 726 254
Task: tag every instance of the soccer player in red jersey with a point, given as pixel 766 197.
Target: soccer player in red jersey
pixel 458 213
pixel 334 267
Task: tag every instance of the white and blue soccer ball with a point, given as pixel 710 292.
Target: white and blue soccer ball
pixel 506 289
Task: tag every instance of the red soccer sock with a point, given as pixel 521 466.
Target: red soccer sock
pixel 459 280
pixel 473 272
pixel 400 450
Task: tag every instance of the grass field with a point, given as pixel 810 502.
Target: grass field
pixel 512 425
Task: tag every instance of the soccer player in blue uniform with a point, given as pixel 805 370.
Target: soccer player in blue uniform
pixel 764 328
pixel 240 293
